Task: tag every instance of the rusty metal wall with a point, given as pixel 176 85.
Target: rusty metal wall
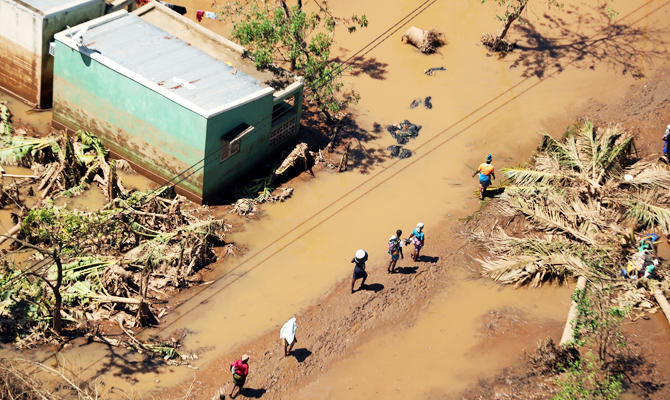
pixel 20 51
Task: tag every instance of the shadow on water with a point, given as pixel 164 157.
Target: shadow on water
pixel 553 43
pixel 365 66
pixel 361 158
pixel 301 354
pixel 406 270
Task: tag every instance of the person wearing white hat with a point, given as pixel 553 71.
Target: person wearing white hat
pixel 359 260
pixel 240 370
pixel 418 239
pixel 395 250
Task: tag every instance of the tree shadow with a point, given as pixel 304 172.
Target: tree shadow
pixel 361 157
pixel 406 270
pixel 252 393
pixel 373 287
pixel 365 66
pixel 635 369
pixel 552 44
pixel 301 354
pixel 428 259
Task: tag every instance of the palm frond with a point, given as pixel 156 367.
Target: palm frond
pixel 548 215
pixel 565 157
pixel 648 175
pixel 526 176
pixel 534 270
pixel 649 214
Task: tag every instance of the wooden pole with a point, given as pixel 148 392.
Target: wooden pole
pixel 569 330
pixel 663 302
pixel 11 232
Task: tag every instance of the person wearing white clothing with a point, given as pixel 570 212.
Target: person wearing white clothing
pixel 287 333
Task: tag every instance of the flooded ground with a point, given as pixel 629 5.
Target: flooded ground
pixel 301 249
pixel 455 342
pixel 23 116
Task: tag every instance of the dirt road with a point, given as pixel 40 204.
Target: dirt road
pixel 300 249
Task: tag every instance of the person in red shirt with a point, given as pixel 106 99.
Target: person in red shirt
pixel 240 370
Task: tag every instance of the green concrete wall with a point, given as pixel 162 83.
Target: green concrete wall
pixel 135 122
pixel 254 147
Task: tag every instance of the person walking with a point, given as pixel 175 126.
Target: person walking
pixel 240 370
pixel 395 250
pixel 666 145
pixel 287 334
pixel 486 174
pixel 418 239
pixel 359 260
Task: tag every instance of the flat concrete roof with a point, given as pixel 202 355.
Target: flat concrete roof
pixel 47 7
pixel 170 55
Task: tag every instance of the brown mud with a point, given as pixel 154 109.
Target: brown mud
pixel 297 255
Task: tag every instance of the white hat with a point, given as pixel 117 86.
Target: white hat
pixel 628 177
pixel 393 237
pixel 360 254
pixel 419 225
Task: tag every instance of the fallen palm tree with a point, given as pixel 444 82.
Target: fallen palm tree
pixel 583 198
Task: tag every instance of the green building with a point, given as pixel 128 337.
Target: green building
pixel 172 98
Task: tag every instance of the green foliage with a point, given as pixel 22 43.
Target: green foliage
pixel 291 35
pixel 597 333
pixel 584 380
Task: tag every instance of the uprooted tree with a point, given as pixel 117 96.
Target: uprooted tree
pixel 512 11
pixel 282 33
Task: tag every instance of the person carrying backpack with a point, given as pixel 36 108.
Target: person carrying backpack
pixel 395 250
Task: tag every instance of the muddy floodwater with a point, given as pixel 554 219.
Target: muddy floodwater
pixel 455 342
pixel 299 250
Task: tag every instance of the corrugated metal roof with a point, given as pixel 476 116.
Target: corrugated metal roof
pixel 160 57
pixel 46 6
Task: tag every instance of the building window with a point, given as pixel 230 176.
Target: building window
pixel 283 131
pixel 230 142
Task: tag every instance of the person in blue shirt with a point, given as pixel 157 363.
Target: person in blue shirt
pixel 418 239
pixel 666 145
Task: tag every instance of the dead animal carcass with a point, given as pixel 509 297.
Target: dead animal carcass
pixel 427 41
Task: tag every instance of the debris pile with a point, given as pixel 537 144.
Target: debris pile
pixel 90 267
pixel 431 71
pixel 402 133
pixel 582 200
pixel 427 41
